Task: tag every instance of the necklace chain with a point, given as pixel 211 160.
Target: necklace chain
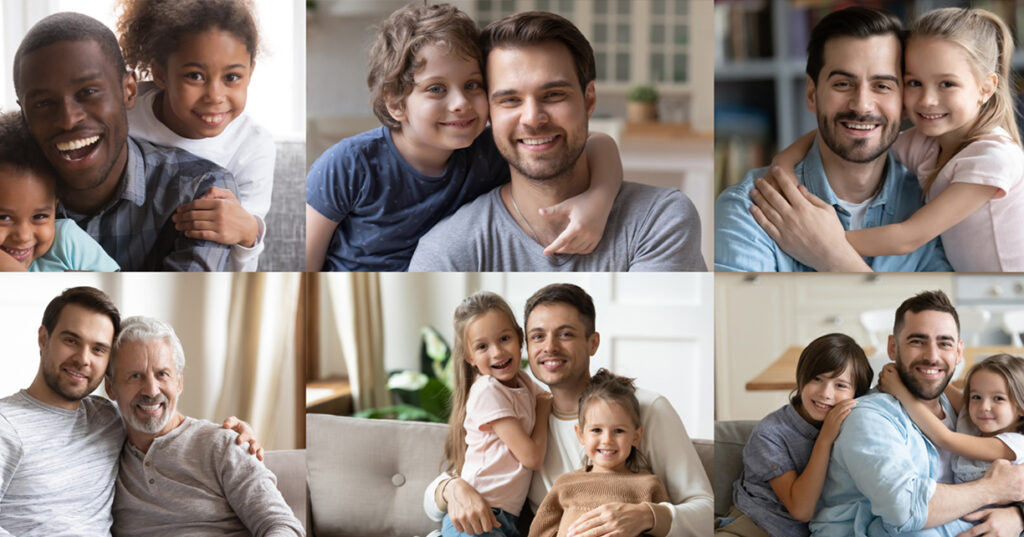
pixel 520 213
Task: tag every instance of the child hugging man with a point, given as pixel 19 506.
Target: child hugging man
pixel 31 237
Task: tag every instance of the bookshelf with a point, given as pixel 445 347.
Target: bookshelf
pixel 760 57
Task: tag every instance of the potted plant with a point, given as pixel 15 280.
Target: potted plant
pixel 420 395
pixel 642 104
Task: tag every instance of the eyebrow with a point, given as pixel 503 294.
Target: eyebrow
pixel 560 327
pixel 88 77
pixel 204 66
pixel 560 83
pixel 847 74
pixel 75 335
pixel 943 337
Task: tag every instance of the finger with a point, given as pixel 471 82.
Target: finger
pixel 783 176
pixel 259 454
pixel 218 193
pixel 205 235
pixel 201 204
pixel 768 227
pixel 778 201
pixel 554 210
pixel 766 208
pixel 230 423
pixel 815 200
pixel 589 521
pixel 559 244
pixel 790 189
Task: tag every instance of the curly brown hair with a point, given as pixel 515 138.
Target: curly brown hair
pixel 19 151
pixel 400 37
pixel 151 30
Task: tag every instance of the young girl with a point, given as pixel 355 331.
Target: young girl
pixel 991 427
pixel 786 457
pixel 200 55
pixel 370 198
pixel 498 429
pixel 965 147
pixel 31 238
pixel 615 470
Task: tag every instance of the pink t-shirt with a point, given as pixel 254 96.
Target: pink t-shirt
pixel 990 239
pixel 490 467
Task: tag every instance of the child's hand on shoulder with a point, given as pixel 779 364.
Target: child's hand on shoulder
pixel 834 420
pixel 889 382
pixel 584 229
pixel 217 216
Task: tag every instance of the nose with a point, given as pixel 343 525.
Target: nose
pixel 929 97
pixel 533 114
pixel 22 232
pixel 457 101
pixel 150 387
pixel 215 91
pixel 71 113
pixel 606 436
pixel 828 391
pixel 862 101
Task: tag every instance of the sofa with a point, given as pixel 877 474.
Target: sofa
pixel 289 466
pixel 285 242
pixel 730 438
pixel 367 477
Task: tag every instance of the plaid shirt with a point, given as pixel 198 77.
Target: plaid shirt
pixel 135 228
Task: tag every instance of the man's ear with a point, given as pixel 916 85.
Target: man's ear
pixel 593 342
pixel 590 98
pixel 892 348
pixel 131 90
pixel 43 336
pixel 809 95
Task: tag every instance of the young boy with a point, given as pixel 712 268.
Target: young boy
pixel 31 238
pixel 371 197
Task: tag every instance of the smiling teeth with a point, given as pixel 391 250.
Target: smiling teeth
pixel 932 116
pixel 212 119
pixel 150 408
pixel 858 127
pixel 930 371
pixel 77 144
pixel 539 141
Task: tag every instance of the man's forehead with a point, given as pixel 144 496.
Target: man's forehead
pixel 873 56
pixel 553 314
pixel 550 50
pixel 929 323
pixel 53 54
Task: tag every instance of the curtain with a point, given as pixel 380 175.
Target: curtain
pixel 356 304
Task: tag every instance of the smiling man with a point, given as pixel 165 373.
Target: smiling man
pixel 560 339
pixel 179 475
pixel 540 74
pixel 884 476
pixel 74 92
pixel 854 87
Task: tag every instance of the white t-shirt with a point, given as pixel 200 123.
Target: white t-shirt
pixel 989 239
pixel 244 148
pixel 857 211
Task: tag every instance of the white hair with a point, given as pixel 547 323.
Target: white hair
pixel 142 328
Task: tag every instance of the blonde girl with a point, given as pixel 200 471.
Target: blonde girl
pixel 786 457
pixel 197 58
pixel 965 147
pixel 991 425
pixel 614 468
pixel 498 428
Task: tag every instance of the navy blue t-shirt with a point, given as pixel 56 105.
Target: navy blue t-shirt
pixel 383 205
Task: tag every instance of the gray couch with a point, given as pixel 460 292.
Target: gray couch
pixel 285 243
pixel 289 466
pixel 367 477
pixel 730 437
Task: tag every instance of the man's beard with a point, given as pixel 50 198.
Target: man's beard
pixel 857 150
pixel 149 425
pixel 544 169
pixel 52 379
pixel 915 386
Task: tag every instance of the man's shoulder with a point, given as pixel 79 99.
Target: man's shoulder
pixel 169 168
pixel 737 196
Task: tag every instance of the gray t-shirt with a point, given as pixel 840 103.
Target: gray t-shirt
pixel 57 466
pixel 649 229
pixel 196 480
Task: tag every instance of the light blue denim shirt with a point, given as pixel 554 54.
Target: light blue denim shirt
pixel 879 478
pixel 742 246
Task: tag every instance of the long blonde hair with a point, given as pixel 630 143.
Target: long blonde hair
pixel 465 374
pixel 1011 368
pixel 989 47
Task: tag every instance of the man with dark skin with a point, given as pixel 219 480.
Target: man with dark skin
pixel 75 91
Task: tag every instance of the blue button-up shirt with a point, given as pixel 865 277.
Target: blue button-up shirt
pixel 742 246
pixel 879 478
pixel 135 227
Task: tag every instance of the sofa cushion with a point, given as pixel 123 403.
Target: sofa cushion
pixel 730 437
pixel 289 466
pixel 285 241
pixel 367 477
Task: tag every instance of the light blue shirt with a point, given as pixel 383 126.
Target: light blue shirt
pixel 742 246
pixel 879 478
pixel 73 249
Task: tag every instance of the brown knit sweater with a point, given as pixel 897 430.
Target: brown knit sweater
pixel 579 491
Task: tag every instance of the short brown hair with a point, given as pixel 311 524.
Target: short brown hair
pixel 400 37
pixel 830 355
pixel 569 294
pixel 926 301
pixel 534 27
pixel 857 21
pixel 89 298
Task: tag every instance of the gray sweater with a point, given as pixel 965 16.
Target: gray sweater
pixel 196 481
pixel 57 467
pixel 650 229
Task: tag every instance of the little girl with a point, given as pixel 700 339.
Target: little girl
pixel 991 428
pixel 786 457
pixel 370 197
pixel 201 55
pixel 615 470
pixel 965 147
pixel 498 429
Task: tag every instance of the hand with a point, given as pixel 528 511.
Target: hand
pixel 9 264
pixel 583 232
pixel 1006 482
pixel 467 509
pixel 217 216
pixel 614 520
pixel 834 419
pixel 245 434
pixel 802 224
pixel 995 522
pixel 889 382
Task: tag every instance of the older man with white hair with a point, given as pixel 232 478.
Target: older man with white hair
pixel 179 474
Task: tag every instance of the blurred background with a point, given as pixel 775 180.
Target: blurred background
pixel 366 328
pixel 760 61
pixel 649 53
pixel 239 333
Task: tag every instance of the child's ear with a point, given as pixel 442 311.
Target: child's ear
pixel 397 109
pixel 579 432
pixel 159 76
pixel 639 434
pixel 988 87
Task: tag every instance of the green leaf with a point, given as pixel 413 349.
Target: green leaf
pixel 435 397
